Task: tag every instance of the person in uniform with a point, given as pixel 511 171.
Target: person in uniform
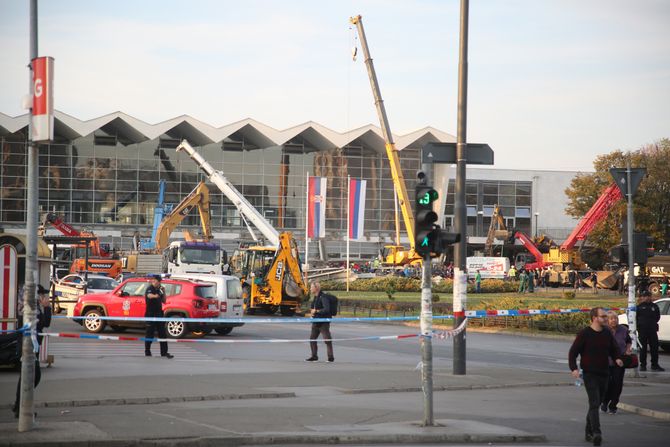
pixel 648 315
pixel 154 298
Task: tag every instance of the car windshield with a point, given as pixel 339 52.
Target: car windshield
pixel 205 291
pixel 199 255
pixel 102 283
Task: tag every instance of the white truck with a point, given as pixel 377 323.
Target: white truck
pixel 489 267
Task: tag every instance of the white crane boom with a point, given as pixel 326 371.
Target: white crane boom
pixel 246 209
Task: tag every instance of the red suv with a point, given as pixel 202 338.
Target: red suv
pixel 184 299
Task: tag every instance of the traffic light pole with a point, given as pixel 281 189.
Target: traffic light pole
pixel 630 220
pixel 460 252
pixel 427 342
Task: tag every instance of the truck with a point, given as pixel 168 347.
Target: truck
pixel 271 274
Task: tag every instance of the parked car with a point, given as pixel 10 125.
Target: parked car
pixel 229 294
pixel 68 289
pixel 663 324
pixel 184 299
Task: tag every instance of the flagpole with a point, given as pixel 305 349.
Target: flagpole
pixel 348 223
pixel 306 227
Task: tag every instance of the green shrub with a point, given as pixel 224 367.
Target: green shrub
pixel 400 284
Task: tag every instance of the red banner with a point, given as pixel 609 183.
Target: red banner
pixel 43 108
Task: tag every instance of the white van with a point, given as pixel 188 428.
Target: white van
pixel 229 294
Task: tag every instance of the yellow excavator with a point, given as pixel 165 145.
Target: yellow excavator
pixel 181 257
pixel 393 254
pixel 271 275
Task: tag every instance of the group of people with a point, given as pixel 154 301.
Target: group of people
pixel 605 349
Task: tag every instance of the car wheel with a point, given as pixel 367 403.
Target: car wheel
pixel 176 329
pixel 224 330
pixel 92 321
pixel 287 311
pixel 116 328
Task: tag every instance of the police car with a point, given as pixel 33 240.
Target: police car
pixel 68 289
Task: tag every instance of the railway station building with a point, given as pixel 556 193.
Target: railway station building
pixel 103 175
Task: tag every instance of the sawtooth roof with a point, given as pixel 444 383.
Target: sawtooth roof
pixel 132 130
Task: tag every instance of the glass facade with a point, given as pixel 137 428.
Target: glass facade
pixel 98 181
pixel 481 196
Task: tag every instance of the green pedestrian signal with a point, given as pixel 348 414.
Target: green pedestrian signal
pixel 428 237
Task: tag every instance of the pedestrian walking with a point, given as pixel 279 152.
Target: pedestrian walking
pixel 648 315
pixel 43 316
pixel 616 373
pixel 531 281
pixel 664 286
pixel 478 282
pixel 594 345
pixel 154 298
pixel 594 282
pixel 512 273
pixel 321 308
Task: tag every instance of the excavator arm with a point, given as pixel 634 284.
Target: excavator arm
pixel 391 151
pixel 525 240
pixel 198 197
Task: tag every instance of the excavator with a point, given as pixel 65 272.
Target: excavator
pixel 497 230
pixel 100 258
pixel 393 254
pixel 271 274
pixel 180 257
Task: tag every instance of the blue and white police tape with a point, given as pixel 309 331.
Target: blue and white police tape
pixel 280 320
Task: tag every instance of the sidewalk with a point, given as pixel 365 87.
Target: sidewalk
pixel 99 411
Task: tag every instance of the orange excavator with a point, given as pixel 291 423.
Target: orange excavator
pixel 100 258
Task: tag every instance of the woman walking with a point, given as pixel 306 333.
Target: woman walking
pixel 616 373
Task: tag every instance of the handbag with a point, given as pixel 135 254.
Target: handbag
pixel 630 360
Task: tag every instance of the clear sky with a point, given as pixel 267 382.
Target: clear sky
pixel 552 83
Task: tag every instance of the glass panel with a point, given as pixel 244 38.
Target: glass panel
pixel 490 200
pixel 490 188
pixel 522 212
pixel 506 189
pixel 523 200
pixel 472 211
pixel 506 201
pixel 523 189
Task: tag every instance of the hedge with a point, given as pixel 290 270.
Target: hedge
pixel 395 284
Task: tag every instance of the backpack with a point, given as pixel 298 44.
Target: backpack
pixel 332 303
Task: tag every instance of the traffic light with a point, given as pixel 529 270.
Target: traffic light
pixel 429 238
pixel 424 225
pixel 643 247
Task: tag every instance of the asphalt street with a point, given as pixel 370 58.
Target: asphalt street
pixel 529 386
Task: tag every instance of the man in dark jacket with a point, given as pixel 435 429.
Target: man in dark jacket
pixel 648 315
pixel 595 345
pixel 320 309
pixel 154 298
pixel 43 315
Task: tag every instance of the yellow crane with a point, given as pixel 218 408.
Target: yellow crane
pixel 394 254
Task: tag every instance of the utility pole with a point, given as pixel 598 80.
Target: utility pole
pixel 460 252
pixel 27 404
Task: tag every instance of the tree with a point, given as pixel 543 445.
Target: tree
pixel 651 202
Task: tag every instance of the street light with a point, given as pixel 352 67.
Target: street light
pixel 536 215
pixel 480 222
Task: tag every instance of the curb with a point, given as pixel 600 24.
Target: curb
pixel 156 400
pixel 309 439
pixel 457 388
pixel 662 415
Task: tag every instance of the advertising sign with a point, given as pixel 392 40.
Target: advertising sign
pixel 488 267
pixel 43 104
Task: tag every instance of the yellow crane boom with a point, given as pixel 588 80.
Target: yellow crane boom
pixel 391 151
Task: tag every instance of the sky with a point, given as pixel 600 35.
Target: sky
pixel 551 84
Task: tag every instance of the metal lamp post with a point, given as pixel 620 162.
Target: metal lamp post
pixel 536 216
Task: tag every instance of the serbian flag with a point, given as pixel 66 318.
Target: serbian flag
pixel 316 214
pixel 356 208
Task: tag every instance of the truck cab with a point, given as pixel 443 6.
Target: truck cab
pixel 182 258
